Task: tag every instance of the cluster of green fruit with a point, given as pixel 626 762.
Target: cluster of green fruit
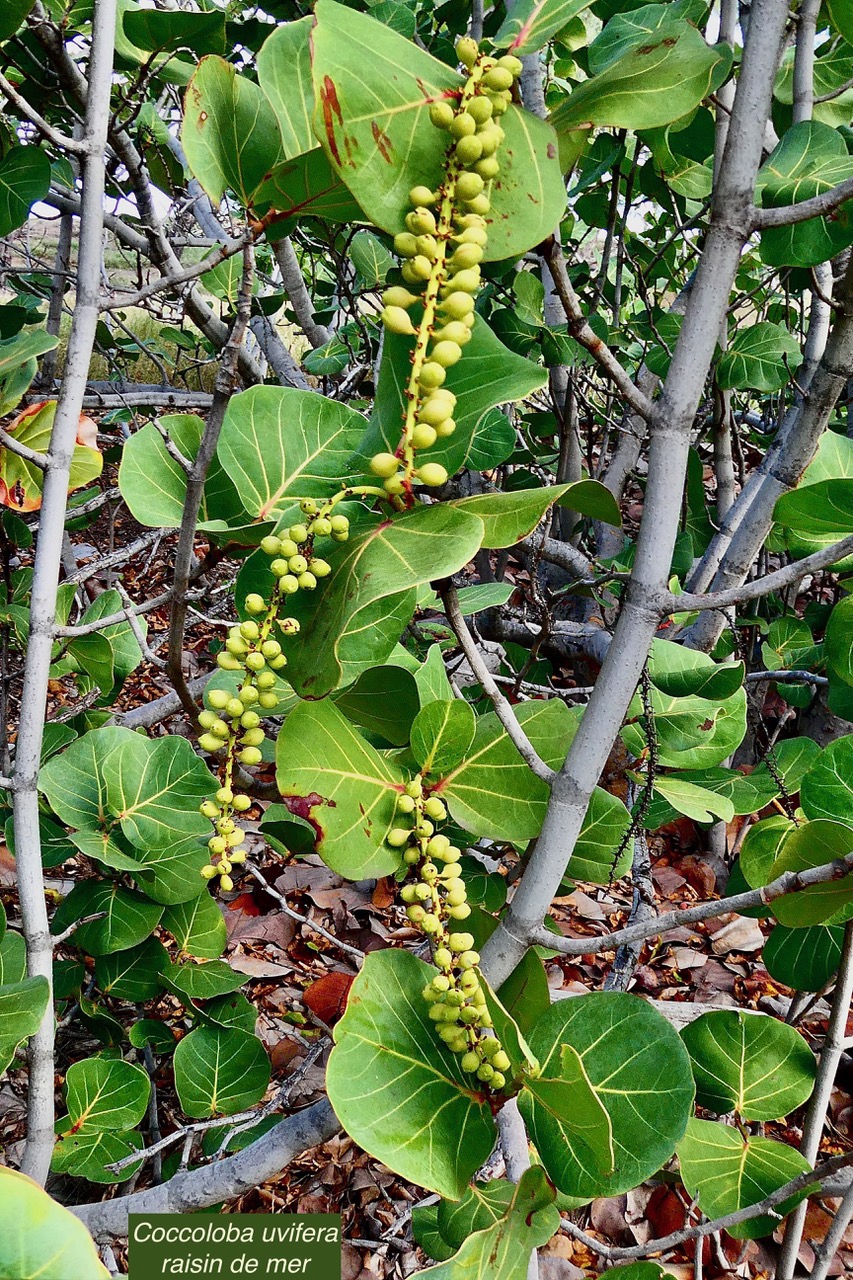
pixel 457 1002
pixel 442 248
pixel 232 725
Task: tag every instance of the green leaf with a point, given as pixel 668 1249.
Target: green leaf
pixel 165 32
pixel 21 482
pixel 697 803
pixel 307 186
pixel 135 975
pixel 203 981
pixel 509 517
pixel 567 1120
pixel 377 132
pixel 760 847
pixel 154 484
pixel 128 917
pixel 604 826
pixel 749 1063
pixel 683 673
pixel 502 1250
pixel 526 995
pixel 811 845
pixel 13 960
pixel 220 1071
pixel 22 1006
pixel 150 1031
pixel 640 1071
pixel 329 774
pixel 489 375
pixel 840 16
pixel 441 736
pixel 726 1174
pixel 198 927
pixel 533 22
pixel 492 792
pixel 279 445
pixel 426 1233
pixel 482 1205
pixel 593 499
pixel 173 874
pixel 838 640
pixel 12 17
pixel 370 258
pixel 229 133
pixel 24 347
pixel 383 700
pixel 24 179
pixel 49 1240
pixel 691 732
pixel 821 511
pixel 508 1032
pixel 636 1271
pixel 284 72
pixel 87 1155
pixel 372 573
pixel 661 77
pixel 395 1086
pixel 104 1095
pixel 803 959
pixel 485 595
pixel 810 159
pixel 761 357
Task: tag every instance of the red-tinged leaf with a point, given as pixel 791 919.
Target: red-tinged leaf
pixel 246 904
pixel 21 482
pixel 327 997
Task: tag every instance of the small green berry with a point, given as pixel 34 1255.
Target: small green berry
pixel 397 837
pixel 470 1062
pixel 396 320
pixel 208 872
pixel 234 708
pixel 270 545
pixel 249 756
pixel 432 474
pixel 218 698
pixel 383 464
pixel 298 534
pixel 207 742
pixel 441 114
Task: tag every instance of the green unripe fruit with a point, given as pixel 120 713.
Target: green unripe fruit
pixel 421 222
pixel 405 804
pixel 498 78
pixel 430 994
pixel 250 756
pixel 469 959
pixel 409 893
pixel 498 1080
pixel 456 331
pixel 308 507
pixel 266 680
pixel 234 708
pixel 456 897
pixel 237 836
pixel 397 296
pixel 457 305
pixel 270 545
pixel 512 64
pixel 405 244
pixel 297 564
pixel 441 115
pixel 322 526
pixel 429 871
pixel 434 411
pixel 226 884
pixel 423 436
pixel 208 809
pixel 473 235
pixel 455 999
pixel 220 730
pixel 447 428
pixel 430 923
pixel 255 603
pixel 463 126
pixel 487 168
pixel 208 872
pixel 468 220
pixel 446 353
pixel 249 630
pixel 414 788
pixel 439 844
pixel 480 108
pixel 468 280
pixel 491 1046
pixel 218 698
pixel 469 150
pixel 423 829
pixel 441 982
pixel 443 958
pixel 467 51
pixel 449 1034
pixel 499 104
pixel 207 742
pixel 431 375
pixel 490 140
pixel 237 855
pixel 467 255
pixel 434 808
pixel 248 695
pixel 249 720
pixel 217 845
pixel 289 547
pixel 298 534
pixel 453 854
pixel 383 464
pixel 428 246
pixel 320 568
pixel 470 1062
pixel 461 942
pixel 416 914
pixel 469 982
pixel 340 537
pixel 485 1073
pixel 469 185
pixel 432 474
pixel 242 803
pixel 394 485
pixel 435 1011
pixel 278 663
pixel 255 661
pixel 460 913
pixel 226 826
pixel 207 719
pixel 419 196
pixel 422 892
pixel 279 568
pixel 340 524
pixel 271 648
pixel 481 204
pixel 396 320
pixel 469 1016
pixel 500 1061
pixel 307 581
pixel 397 837
pixel 236 646
pixel 289 584
pixel 419 268
pixel 411 857
pixel 253 737
pixel 268 701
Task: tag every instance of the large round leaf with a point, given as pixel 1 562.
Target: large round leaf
pixel 126 917
pixel 377 132
pixel 198 927
pixel 441 736
pixel 804 959
pixel 397 1089
pixel 725 1174
pixel 761 357
pixel 40 1239
pixel 810 159
pixel 838 640
pixel 749 1063
pixel 230 132
pixel 136 974
pixel 24 179
pixel 203 981
pixel 220 1071
pixel 827 789
pixel 22 1006
pixel 811 845
pixel 104 1095
pixel 640 1071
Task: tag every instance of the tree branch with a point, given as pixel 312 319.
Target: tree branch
pixel 788 215
pixel 775 581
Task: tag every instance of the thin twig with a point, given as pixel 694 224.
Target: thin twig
pixel 296 915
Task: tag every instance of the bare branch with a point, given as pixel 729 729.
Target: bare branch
pixel 174 280
pixel 301 919
pixel 39 460
pixel 776 581
pixel 75 145
pixel 788 215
